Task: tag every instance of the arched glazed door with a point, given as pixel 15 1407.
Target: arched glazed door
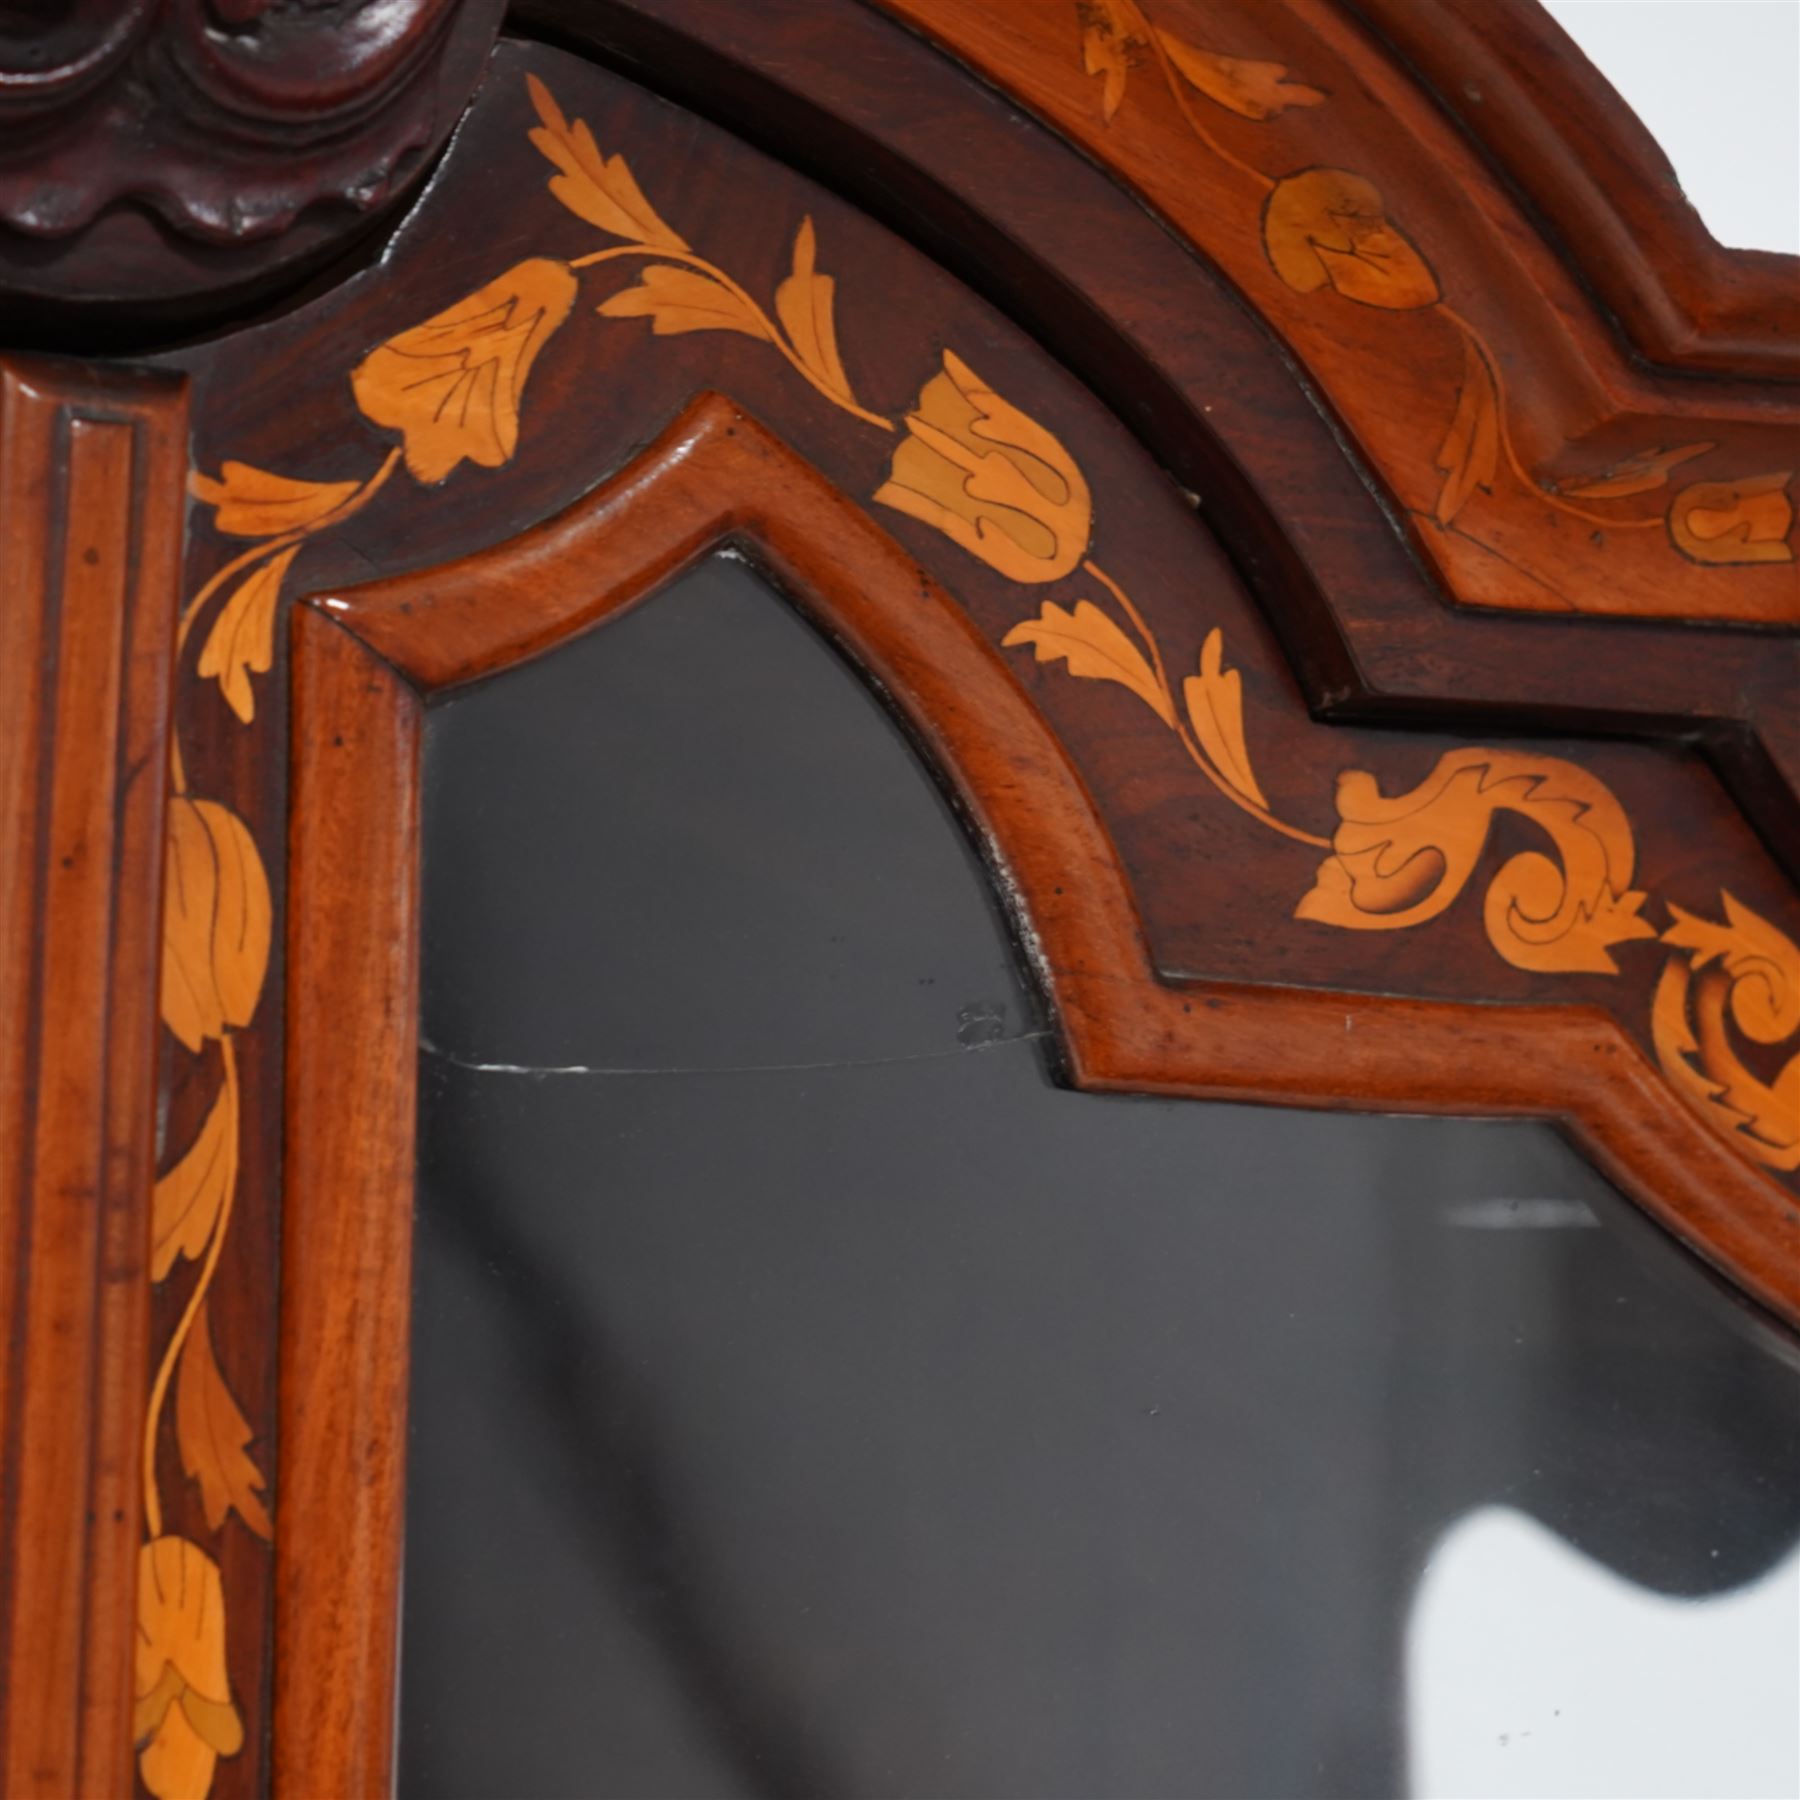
pixel 1289 631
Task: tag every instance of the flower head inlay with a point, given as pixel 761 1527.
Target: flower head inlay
pixel 1735 521
pixel 452 386
pixel 1329 228
pixel 183 1719
pixel 216 922
pixel 989 478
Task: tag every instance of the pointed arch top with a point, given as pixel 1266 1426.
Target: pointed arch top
pixel 366 660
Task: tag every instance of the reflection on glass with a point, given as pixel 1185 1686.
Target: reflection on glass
pixel 1535 1672
pixel 812 1398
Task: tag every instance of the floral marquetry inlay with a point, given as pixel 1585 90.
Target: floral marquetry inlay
pixel 184 1718
pixel 1329 231
pixel 992 480
pixel 452 393
pixel 453 386
pixel 1401 861
pixel 1328 228
pixel 1741 976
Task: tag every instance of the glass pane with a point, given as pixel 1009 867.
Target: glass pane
pixel 813 1398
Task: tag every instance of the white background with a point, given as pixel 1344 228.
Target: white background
pixel 1718 83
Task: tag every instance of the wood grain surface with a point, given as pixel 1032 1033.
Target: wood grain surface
pixel 90 524
pixel 353 1019
pixel 1541 467
pixel 364 659
pixel 1183 411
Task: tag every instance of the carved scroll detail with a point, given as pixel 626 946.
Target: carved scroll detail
pixel 227 118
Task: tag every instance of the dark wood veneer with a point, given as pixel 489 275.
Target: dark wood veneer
pixel 1044 234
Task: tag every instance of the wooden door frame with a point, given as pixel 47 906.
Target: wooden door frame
pixel 975 130
pixel 365 663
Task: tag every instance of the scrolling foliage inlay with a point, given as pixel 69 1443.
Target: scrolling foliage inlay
pixel 1003 488
pixel 1400 861
pixel 1742 974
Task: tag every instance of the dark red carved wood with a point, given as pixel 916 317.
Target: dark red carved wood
pixel 161 157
